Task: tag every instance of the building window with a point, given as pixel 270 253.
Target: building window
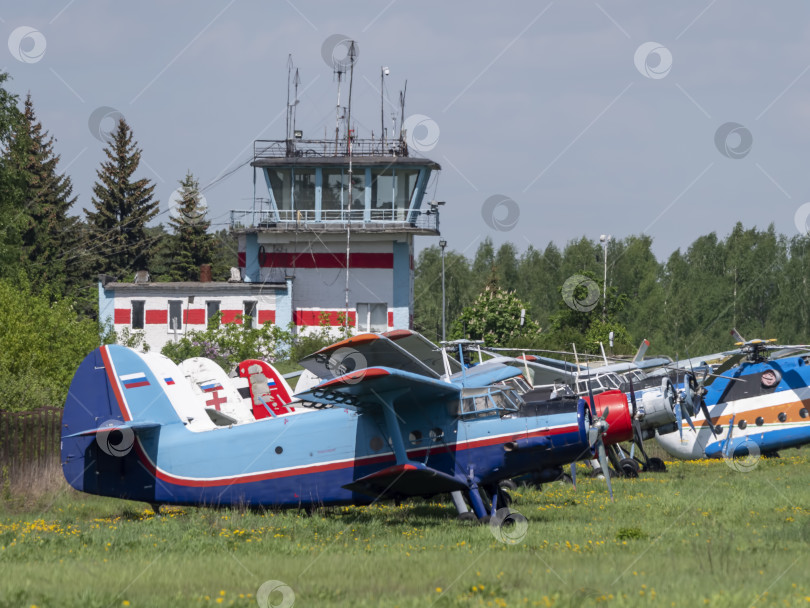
pixel 175 316
pixel 137 314
pixel 211 312
pixel 372 317
pixel 249 316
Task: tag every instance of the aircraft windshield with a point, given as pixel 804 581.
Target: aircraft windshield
pixel 488 401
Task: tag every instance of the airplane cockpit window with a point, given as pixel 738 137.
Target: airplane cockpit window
pixel 517 383
pixel 489 401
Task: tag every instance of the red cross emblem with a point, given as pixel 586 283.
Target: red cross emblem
pixel 216 401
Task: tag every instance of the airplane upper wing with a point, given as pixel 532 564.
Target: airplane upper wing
pixel 367 388
pixel 360 352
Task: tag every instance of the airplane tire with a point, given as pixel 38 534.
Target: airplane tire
pixel 484 521
pixel 468 516
pixel 565 479
pixel 629 467
pixel 508 484
pixel 656 465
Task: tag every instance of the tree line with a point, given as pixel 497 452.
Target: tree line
pixel 752 279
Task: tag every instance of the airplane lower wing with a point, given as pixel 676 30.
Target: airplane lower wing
pixel 409 479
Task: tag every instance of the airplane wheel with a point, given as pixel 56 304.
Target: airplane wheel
pixel 508 484
pixel 504 498
pixel 468 516
pixel 771 455
pixel 656 465
pixel 484 521
pixel 629 467
pixel 565 479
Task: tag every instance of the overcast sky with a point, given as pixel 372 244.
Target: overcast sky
pixel 593 117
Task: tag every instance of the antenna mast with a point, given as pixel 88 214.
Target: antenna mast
pixel 296 82
pixel 402 108
pixel 352 55
pixel 289 72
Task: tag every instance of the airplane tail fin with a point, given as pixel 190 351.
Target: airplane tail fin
pixel 115 396
pixel 642 350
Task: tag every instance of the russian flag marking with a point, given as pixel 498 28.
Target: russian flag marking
pixel 134 380
pixel 211 386
pixel 168 381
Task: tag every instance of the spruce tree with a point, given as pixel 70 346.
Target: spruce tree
pixel 192 245
pixel 122 208
pixel 11 184
pixel 46 198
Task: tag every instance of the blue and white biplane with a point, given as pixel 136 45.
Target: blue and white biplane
pixel 133 428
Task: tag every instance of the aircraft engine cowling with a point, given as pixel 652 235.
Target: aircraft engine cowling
pixel 619 419
pixel 656 410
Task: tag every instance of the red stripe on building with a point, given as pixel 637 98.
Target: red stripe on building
pixel 267 315
pixel 122 316
pixel 333 318
pixel 390 319
pixel 157 317
pixel 194 316
pixel 230 316
pixel 321 260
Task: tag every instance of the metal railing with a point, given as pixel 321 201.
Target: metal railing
pixel 286 219
pixel 321 148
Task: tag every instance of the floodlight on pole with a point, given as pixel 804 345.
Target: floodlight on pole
pixel 604 239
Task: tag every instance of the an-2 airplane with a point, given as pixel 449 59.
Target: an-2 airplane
pixel 752 404
pixel 133 428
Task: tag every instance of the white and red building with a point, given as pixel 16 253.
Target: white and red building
pixel 294 247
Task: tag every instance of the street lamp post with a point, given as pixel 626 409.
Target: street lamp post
pixel 443 244
pixel 604 240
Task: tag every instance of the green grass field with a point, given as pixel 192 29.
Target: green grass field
pixel 700 534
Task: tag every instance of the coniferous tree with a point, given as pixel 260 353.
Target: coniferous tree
pixel 191 244
pixel 46 197
pixel 11 187
pixel 122 208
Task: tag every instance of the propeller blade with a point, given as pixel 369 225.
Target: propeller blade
pixel 729 363
pixel 727 447
pixel 705 410
pixel 688 421
pixel 590 393
pixel 633 397
pixel 678 416
pixel 605 468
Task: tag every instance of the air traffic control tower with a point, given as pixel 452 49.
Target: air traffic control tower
pixel 337 226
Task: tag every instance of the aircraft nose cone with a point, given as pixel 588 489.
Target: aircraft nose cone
pixel 618 416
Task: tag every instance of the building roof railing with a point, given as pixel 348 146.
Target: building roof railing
pixel 289 220
pixel 323 148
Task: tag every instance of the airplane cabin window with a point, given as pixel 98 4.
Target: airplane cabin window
pixel 760 421
pixel 742 424
pixel 782 417
pixel 803 412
